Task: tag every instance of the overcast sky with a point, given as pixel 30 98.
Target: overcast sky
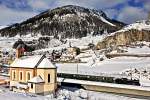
pixel 128 11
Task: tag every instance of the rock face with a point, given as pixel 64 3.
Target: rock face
pixel 65 22
pixel 124 38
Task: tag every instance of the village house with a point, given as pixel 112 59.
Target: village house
pixel 33 74
pixel 74 51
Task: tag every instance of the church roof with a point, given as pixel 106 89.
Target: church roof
pixel 46 64
pixel 32 61
pixel 36 79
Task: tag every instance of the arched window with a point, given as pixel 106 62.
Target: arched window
pixel 49 78
pixel 14 75
pixel 28 76
pixel 20 75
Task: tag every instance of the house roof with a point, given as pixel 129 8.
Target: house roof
pixel 36 79
pixel 32 62
pixel 19 85
pixel 23 86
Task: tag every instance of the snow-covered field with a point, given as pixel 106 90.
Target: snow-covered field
pixel 108 66
pixel 136 48
pixel 66 93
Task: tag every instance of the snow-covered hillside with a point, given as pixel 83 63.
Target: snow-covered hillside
pixel 81 43
pixel 139 25
pixel 1 27
pixel 135 48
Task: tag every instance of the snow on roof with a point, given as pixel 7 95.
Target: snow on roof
pixel 31 62
pixel 19 85
pixel 46 63
pixel 28 62
pixel 36 79
pixel 23 86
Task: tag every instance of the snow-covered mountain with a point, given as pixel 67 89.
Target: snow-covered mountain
pixel 65 22
pixel 139 31
pixel 1 27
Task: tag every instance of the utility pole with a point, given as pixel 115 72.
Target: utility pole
pixel 70 44
pixel 131 72
pixel 149 15
pixel 77 68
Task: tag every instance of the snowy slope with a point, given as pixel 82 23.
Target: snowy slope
pixel 80 43
pixel 139 25
pixel 106 21
pixel 1 27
